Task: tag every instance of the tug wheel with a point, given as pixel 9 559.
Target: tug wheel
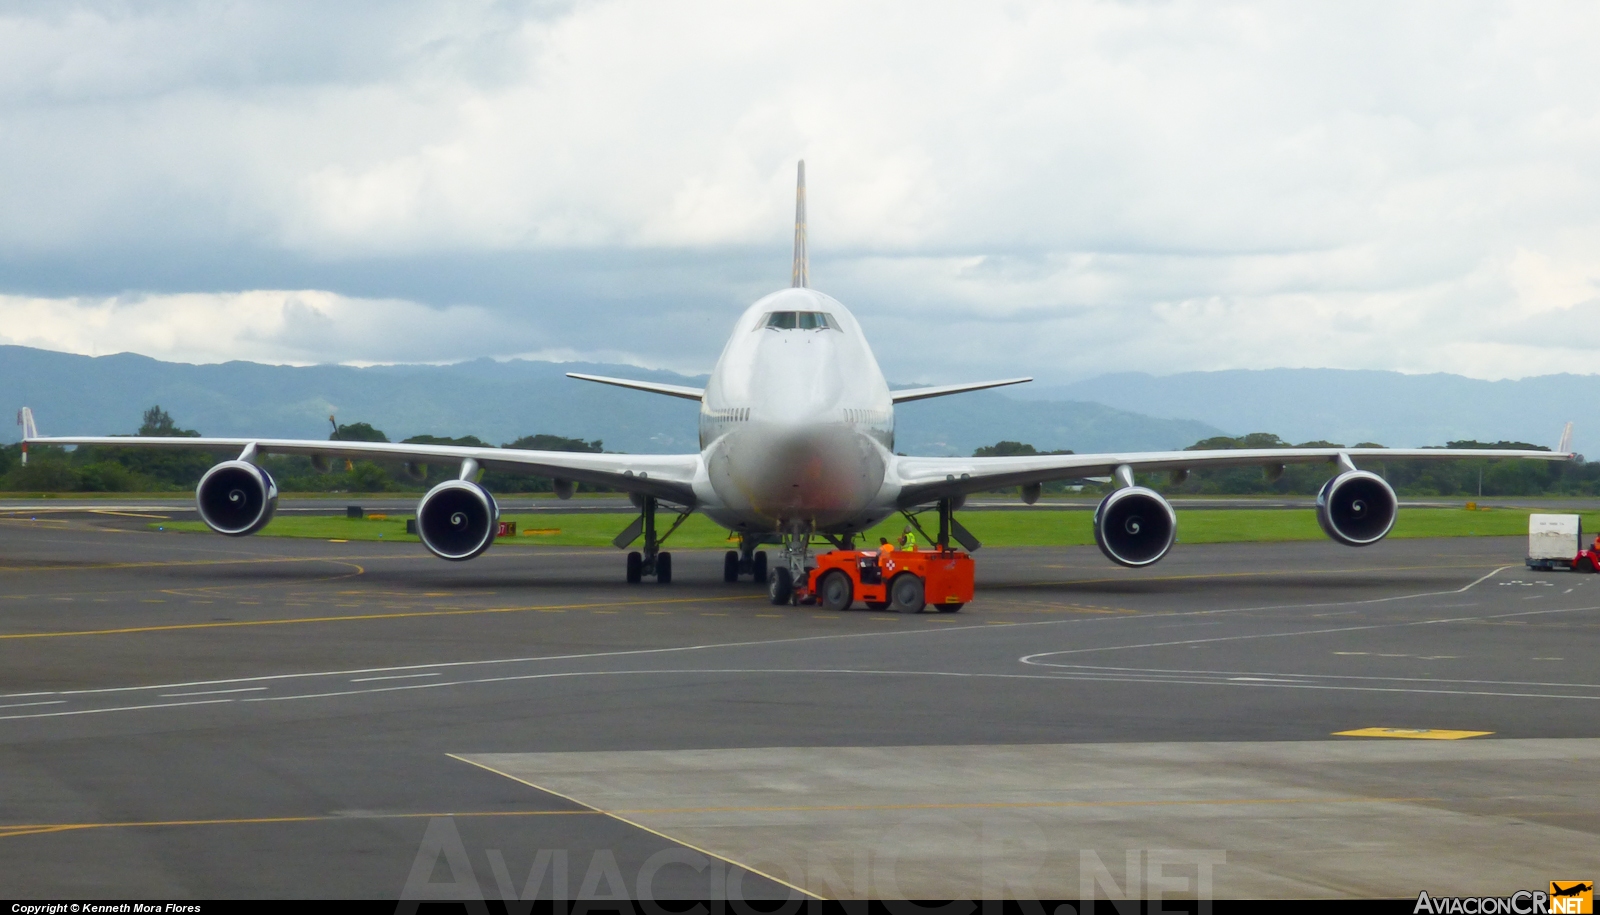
pixel 836 591
pixel 906 594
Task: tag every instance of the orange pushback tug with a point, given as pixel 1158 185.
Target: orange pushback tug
pixel 905 581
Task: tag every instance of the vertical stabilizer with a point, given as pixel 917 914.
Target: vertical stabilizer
pixel 29 430
pixel 802 268
pixel 1566 439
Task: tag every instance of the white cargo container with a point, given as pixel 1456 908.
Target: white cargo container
pixel 1554 540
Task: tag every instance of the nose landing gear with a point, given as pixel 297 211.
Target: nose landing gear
pixel 794 565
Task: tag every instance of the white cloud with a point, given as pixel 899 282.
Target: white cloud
pixel 300 327
pixel 294 327
pixel 1064 188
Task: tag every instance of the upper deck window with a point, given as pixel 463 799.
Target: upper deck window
pixel 800 320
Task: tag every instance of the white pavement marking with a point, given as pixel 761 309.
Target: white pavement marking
pixel 1158 678
pixel 1130 676
pixel 1243 674
pixel 125 708
pixel 1030 659
pixel 718 645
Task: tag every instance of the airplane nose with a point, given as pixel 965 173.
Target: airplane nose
pixel 822 473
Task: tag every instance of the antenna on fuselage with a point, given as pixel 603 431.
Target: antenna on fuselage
pixel 802 270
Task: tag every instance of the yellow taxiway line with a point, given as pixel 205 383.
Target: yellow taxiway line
pixel 27 829
pixel 410 614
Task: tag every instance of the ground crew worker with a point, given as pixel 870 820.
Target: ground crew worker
pixel 908 540
pixel 882 560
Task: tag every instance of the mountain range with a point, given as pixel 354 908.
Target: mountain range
pixel 496 401
pixel 1346 406
pixel 501 401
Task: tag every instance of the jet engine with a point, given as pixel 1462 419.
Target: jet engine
pixel 1356 508
pixel 457 519
pixel 1134 526
pixel 236 498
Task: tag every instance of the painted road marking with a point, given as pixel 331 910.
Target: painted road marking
pixel 358 617
pixel 28 829
pixel 24 829
pixel 1412 733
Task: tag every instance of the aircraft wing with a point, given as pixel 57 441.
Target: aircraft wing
pixel 665 476
pixel 671 390
pixel 906 395
pixel 928 479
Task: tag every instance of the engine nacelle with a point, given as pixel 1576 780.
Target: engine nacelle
pixel 457 519
pixel 1134 526
pixel 236 498
pixel 1356 508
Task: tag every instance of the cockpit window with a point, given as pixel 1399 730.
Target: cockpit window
pixel 800 320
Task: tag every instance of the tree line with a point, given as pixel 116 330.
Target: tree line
pixel 1462 478
pixel 111 469
pixel 107 468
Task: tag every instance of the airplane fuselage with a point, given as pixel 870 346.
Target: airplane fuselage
pixel 797 423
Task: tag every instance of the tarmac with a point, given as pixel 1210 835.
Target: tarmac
pixel 185 715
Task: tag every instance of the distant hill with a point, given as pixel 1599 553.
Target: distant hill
pixel 962 422
pixel 497 401
pixel 1355 406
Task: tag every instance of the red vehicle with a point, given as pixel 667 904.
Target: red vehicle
pixel 905 580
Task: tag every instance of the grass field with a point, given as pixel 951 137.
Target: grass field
pixel 994 528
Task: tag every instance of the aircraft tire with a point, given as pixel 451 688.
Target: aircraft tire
pixel 906 594
pixel 781 586
pixel 758 568
pixel 948 608
pixel 730 566
pixel 664 568
pixel 877 605
pixel 635 568
pixel 836 591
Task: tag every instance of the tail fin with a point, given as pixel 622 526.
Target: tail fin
pixel 802 268
pixel 1566 439
pixel 29 430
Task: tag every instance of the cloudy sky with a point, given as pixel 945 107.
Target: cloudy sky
pixel 1057 188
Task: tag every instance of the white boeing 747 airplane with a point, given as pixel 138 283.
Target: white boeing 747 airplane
pixel 796 444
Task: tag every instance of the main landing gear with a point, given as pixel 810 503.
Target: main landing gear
pixel 745 560
pixel 949 528
pixel 652 561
